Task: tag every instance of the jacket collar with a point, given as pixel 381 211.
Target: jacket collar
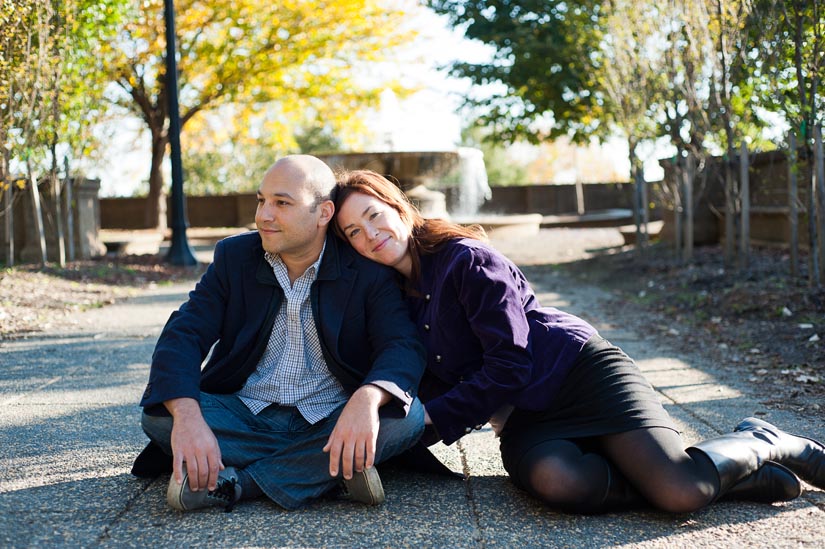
pixel 330 264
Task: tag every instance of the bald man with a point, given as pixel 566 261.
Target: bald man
pixel 313 370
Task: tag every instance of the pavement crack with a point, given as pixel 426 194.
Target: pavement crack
pixel 106 534
pixel 475 513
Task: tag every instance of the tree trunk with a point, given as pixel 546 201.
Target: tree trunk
pixel 793 210
pixel 730 212
pixel 637 199
pixel 37 212
pixel 819 163
pixel 687 200
pixel 745 201
pixel 8 210
pixel 156 201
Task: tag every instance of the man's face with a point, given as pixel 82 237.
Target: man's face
pixel 288 220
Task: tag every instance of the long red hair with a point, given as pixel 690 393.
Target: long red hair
pixel 427 235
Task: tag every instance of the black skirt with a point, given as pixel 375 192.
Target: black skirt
pixel 604 393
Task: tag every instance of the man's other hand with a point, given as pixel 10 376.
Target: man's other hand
pixel 351 444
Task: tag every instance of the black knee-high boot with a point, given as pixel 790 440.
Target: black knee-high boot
pixel 804 456
pixel 745 469
pixel 768 484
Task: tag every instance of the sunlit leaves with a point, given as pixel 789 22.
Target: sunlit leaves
pixel 275 63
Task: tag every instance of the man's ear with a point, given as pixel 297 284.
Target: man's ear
pixel 327 211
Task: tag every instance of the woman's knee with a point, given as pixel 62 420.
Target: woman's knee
pixel 562 476
pixel 680 497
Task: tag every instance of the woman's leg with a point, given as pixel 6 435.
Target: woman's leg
pixel 646 467
pixel 655 462
pixel 570 478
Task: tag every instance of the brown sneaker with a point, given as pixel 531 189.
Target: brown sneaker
pixel 364 487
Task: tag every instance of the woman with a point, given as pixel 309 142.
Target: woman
pixel 579 426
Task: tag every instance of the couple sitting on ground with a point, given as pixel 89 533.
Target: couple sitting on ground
pixel 320 357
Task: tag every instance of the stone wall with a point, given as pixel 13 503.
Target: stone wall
pixel 85 216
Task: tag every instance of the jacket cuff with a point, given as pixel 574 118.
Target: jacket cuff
pixel 404 399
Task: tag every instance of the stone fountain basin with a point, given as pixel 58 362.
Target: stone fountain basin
pixel 503 226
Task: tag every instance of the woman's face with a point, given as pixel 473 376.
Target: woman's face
pixel 376 231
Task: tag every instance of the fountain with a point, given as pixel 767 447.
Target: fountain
pixel 417 172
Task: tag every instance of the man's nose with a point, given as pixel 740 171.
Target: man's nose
pixel 266 212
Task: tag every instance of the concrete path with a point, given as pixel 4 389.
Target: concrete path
pixel 69 432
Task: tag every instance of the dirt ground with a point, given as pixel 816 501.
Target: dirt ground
pixel 758 322
pixel 34 300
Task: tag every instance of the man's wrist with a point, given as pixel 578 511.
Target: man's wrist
pixel 374 394
pixel 184 407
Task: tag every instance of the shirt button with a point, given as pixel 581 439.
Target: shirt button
pixel 468 430
pixel 427 327
pixel 438 358
pixel 478 427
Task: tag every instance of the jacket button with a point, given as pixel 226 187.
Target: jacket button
pixel 461 379
pixel 427 327
pixel 427 297
pixel 438 358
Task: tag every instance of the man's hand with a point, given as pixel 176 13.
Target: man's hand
pixel 193 444
pixel 352 442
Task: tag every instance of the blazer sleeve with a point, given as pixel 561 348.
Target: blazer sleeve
pixel 188 336
pixel 489 295
pixel 398 354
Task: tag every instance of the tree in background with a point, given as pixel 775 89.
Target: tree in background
pixel 216 163
pixel 275 63
pixel 51 78
pixel 544 59
pixel 789 38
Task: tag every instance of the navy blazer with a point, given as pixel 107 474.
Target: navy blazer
pixel 489 342
pixel 363 324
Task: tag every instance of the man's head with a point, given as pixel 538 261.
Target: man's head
pixel 295 207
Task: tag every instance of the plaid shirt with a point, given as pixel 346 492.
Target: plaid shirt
pixel 292 370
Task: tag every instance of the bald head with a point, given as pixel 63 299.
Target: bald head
pixel 315 176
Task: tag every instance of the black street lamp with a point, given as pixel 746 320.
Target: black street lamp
pixel 180 253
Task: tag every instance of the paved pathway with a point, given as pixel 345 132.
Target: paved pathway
pixel 69 432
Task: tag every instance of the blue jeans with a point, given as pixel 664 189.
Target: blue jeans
pixel 280 449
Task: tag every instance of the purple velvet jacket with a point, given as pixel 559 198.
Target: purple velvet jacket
pixel 489 342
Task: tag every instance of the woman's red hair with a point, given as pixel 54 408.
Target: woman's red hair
pixel 427 235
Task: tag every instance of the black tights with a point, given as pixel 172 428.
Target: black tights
pixel 651 461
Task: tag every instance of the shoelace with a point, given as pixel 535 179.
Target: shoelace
pixel 225 492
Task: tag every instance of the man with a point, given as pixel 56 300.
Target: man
pixel 307 340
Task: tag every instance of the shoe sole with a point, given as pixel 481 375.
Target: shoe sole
pixel 174 493
pixel 366 487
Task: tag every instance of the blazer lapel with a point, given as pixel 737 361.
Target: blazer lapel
pixel 330 295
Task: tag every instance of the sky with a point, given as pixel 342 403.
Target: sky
pixel 428 120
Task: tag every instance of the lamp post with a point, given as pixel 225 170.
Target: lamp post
pixel 180 253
